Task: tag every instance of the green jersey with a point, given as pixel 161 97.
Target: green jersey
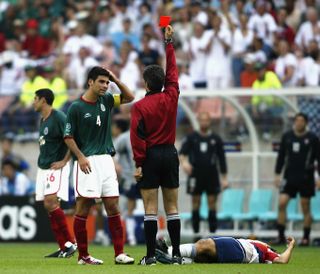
pixel 52 146
pixel 89 124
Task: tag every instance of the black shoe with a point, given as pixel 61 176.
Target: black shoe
pixel 177 260
pixel 148 261
pixel 163 257
pixel 56 254
pixel 162 245
pixel 69 251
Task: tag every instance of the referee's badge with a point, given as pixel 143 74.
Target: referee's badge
pixel 103 108
pixel 203 147
pixel 306 141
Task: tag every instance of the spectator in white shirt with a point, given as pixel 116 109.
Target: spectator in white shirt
pixel 263 24
pixel 241 40
pixel 197 13
pixel 79 66
pixel 79 39
pixel 309 69
pixel 196 51
pixel 14 183
pixel 286 65
pixel 309 30
pixel 218 65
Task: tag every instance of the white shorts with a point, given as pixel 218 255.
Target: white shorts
pixel 50 181
pixel 101 182
pixel 252 256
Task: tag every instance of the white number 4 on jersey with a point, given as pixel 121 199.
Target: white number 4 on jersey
pixel 98 121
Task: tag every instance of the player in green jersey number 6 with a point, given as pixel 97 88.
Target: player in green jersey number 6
pixel 88 136
pixel 53 170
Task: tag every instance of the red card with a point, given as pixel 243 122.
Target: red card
pixel 164 21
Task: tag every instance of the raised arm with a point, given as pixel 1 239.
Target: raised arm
pixel 127 95
pixel 171 80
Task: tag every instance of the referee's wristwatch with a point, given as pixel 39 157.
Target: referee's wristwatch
pixel 168 41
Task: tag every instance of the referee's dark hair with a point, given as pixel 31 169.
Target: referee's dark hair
pixel 154 77
pixel 303 115
pixel 95 72
pixel 47 94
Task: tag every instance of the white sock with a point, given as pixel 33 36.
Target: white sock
pixel 186 250
pixel 130 227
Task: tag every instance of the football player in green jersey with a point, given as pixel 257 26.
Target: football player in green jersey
pixel 53 170
pixel 88 136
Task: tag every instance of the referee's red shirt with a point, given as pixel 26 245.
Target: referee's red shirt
pixel 153 118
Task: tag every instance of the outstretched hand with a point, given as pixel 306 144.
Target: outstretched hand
pixel 168 32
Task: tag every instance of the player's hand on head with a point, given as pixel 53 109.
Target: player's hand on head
pixel 112 76
pixel 168 32
pixel 84 165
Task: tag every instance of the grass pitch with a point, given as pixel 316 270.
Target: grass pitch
pixel 28 258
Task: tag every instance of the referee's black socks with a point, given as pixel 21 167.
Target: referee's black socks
pixel 150 231
pixel 174 227
pixel 195 220
pixel 213 221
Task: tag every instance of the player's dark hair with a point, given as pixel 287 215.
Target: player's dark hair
pixel 9 162
pixel 303 115
pixel 95 72
pixel 154 76
pixel 47 94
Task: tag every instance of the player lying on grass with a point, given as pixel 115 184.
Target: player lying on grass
pixel 226 250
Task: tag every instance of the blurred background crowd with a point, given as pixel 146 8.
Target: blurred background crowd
pixel 219 44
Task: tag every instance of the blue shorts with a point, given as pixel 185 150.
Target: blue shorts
pixel 229 250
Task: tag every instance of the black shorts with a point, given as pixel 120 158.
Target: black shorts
pixel 161 168
pixel 305 187
pixel 203 181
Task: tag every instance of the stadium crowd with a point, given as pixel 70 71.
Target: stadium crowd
pixel 54 43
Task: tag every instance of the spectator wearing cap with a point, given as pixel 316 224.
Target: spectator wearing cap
pixel 13 182
pixel 265 108
pixel 263 24
pixel 57 84
pixel 286 65
pixel 309 30
pixel 242 38
pixel 249 75
pixel 34 44
pixel 218 47
pixel 125 35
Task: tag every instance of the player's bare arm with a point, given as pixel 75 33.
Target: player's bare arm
pixel 284 258
pixel 186 166
pixel 82 160
pixel 62 163
pixel 127 95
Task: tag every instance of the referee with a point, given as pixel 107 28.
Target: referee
pixel 152 134
pixel 298 152
pixel 200 154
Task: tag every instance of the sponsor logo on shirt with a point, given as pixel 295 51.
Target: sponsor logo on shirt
pixel 42 141
pixel 103 108
pixel 87 115
pixel 45 131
